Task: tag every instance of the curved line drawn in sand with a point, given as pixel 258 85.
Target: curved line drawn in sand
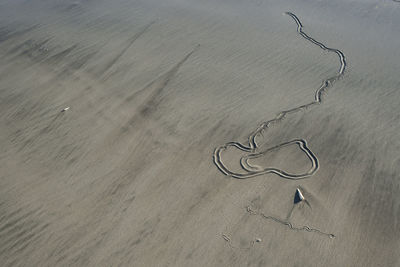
pixel 252 146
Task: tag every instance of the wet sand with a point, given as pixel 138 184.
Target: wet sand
pixel 176 133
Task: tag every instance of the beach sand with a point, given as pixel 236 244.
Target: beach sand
pixel 111 114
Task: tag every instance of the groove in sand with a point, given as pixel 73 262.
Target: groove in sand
pixel 285 222
pixel 288 223
pixel 252 146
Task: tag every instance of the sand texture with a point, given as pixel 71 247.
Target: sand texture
pixel 199 133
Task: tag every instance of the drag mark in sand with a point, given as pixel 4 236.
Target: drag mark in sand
pixel 288 223
pixel 252 147
pixel 298 198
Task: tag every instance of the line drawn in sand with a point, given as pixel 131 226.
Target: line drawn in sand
pixel 298 198
pixel 252 147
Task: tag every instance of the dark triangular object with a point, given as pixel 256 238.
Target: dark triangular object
pixel 298 196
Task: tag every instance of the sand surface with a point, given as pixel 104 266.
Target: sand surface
pixel 175 133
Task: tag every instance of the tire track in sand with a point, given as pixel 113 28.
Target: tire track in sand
pixel 251 147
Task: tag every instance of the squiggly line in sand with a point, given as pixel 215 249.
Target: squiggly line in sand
pixel 251 147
